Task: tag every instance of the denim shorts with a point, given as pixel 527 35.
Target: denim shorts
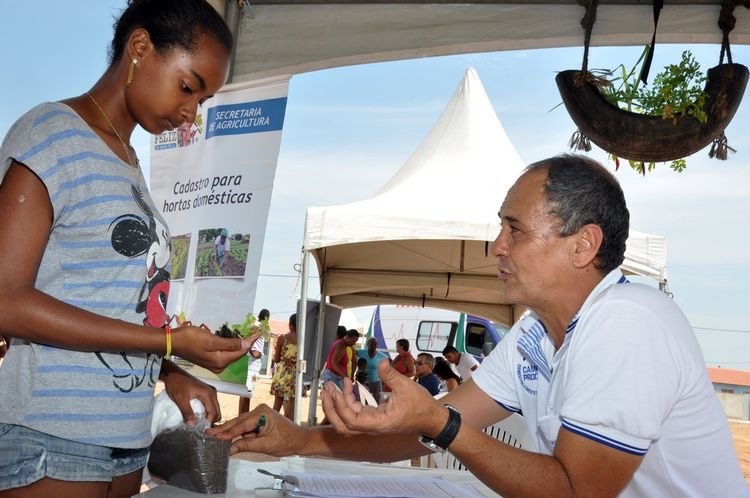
pixel 327 376
pixel 27 455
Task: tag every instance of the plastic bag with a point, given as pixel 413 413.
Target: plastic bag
pixel 188 458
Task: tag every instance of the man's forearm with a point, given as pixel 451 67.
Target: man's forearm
pixel 325 441
pixel 507 470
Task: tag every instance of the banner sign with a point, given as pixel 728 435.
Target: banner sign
pixel 212 181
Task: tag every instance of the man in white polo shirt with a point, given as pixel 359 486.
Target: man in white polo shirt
pixel 608 374
pixel 465 363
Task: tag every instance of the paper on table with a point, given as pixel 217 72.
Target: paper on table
pixel 318 485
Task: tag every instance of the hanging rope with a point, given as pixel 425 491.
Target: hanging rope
pixel 587 22
pixel 646 67
pixel 720 148
pixel 726 24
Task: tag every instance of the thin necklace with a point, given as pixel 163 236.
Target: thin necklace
pixel 124 147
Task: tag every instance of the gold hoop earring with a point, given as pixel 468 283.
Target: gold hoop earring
pixel 131 69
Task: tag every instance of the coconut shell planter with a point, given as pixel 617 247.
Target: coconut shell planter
pixel 646 138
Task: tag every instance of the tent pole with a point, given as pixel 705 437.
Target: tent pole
pixel 301 319
pixel 312 413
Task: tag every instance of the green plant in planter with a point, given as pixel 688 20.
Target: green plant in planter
pixel 677 91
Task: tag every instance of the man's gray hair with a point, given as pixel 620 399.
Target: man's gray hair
pixel 428 358
pixel 581 191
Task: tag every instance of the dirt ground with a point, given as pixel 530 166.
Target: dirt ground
pixel 229 405
pixel 741 436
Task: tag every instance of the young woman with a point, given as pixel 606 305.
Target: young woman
pixel 447 376
pixel 283 382
pixel 84 276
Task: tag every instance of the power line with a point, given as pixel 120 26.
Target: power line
pixel 721 330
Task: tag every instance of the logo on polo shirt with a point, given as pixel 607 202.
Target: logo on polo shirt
pixel 527 375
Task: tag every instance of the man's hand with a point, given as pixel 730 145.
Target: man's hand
pixel 203 348
pixel 409 409
pixel 279 436
pixel 182 387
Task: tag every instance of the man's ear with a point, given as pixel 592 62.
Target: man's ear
pixel 588 241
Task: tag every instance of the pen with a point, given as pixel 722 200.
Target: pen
pixel 261 423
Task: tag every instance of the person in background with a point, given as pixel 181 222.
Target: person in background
pixel 351 351
pixel 448 378
pixel 608 374
pixel 403 363
pixel 351 366
pixel 425 377
pixel 465 363
pixel 221 248
pixel 254 362
pixel 284 378
pixel 373 357
pixel 87 350
pixel 337 361
pixel 362 371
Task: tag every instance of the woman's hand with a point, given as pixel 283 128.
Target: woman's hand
pixel 409 409
pixel 203 348
pixel 248 341
pixel 182 387
pixel 279 436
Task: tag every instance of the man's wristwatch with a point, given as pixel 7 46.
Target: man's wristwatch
pixel 447 435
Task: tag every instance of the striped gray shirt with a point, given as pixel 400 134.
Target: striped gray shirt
pixel 108 252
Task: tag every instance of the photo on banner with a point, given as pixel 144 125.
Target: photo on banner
pixel 212 181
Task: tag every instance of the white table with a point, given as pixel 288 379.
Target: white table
pixel 244 479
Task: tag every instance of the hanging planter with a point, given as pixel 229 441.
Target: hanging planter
pixel 639 137
pixel 646 138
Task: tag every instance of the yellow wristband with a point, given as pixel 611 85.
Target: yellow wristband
pixel 168 331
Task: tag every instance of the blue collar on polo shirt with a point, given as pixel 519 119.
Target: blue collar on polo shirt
pixel 530 342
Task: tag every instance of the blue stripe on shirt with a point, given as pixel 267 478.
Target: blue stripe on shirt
pixel 608 441
pixel 90 224
pixel 83 417
pixel 117 284
pixel 51 114
pixel 93 244
pixel 79 156
pixel 80 303
pixel 113 440
pixel 96 265
pixel 55 137
pixel 79 369
pixel 95 177
pixel 508 408
pixel 82 393
pixel 100 199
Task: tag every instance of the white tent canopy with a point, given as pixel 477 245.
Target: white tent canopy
pixel 276 37
pixel 424 238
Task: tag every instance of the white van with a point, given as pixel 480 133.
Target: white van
pixel 429 330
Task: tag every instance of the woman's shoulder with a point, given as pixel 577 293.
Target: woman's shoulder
pixel 48 115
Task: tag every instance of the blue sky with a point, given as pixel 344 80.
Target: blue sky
pixel 349 129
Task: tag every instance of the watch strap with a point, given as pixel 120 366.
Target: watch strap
pixel 449 432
